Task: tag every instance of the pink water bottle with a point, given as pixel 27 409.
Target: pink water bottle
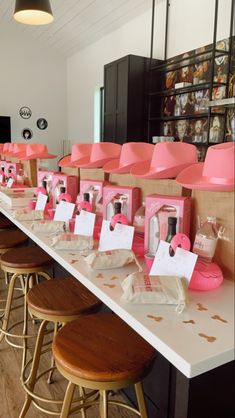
pixel 118 216
pixel 63 196
pixel 85 203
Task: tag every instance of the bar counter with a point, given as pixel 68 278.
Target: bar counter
pixel 194 342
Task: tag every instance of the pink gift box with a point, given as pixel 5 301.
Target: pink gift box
pixel 45 175
pixel 95 190
pixel 14 167
pixel 67 181
pixel 158 209
pixel 128 196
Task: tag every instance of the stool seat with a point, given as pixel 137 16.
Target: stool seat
pixel 25 258
pixel 62 297
pixel 102 348
pixel 5 223
pixel 10 239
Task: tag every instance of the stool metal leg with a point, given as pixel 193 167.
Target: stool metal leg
pixel 140 399
pixel 33 374
pixel 6 317
pixel 49 380
pixel 67 400
pixel 25 327
pixel 103 404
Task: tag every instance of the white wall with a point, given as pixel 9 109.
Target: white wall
pixel 32 75
pixel 190 26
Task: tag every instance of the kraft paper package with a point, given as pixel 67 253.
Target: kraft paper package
pixel 72 242
pixel 142 288
pixel 28 215
pixel 49 226
pixel 112 259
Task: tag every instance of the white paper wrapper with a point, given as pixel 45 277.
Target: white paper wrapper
pixel 73 242
pixel 28 215
pixel 142 288
pixel 49 226
pixel 112 259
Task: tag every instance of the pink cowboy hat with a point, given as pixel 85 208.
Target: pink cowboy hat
pixel 101 153
pixel 131 153
pixel 5 147
pixel 34 151
pixel 169 158
pixel 215 174
pixel 9 149
pixel 19 149
pixel 79 151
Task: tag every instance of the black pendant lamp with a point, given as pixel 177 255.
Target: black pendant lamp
pixel 33 12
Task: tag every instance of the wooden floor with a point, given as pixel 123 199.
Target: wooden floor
pixel 12 394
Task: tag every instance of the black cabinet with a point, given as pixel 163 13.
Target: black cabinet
pixel 125 112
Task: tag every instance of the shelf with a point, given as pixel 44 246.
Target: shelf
pixel 229 102
pixel 194 116
pixel 187 61
pixel 193 87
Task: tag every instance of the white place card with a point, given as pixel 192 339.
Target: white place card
pixel 84 223
pixel 1 178
pixel 120 238
pixel 41 201
pixel 10 182
pixel 64 211
pixel 181 264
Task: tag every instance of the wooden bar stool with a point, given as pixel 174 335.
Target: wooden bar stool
pixel 102 352
pixel 5 223
pixel 25 264
pixel 58 302
pixel 10 239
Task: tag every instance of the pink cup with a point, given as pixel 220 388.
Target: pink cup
pixel 149 258
pixel 32 205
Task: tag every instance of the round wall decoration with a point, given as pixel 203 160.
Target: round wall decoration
pixel 25 112
pixel 42 123
pixel 27 134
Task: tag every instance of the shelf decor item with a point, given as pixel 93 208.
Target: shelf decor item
pixel 37 12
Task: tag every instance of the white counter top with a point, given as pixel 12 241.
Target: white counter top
pixel 196 341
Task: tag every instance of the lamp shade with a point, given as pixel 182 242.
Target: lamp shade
pixel 36 12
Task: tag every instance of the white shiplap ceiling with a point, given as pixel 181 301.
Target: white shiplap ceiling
pixel 77 23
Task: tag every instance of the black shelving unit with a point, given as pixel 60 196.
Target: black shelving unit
pixel 212 86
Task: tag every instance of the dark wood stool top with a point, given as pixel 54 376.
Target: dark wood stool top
pixel 5 223
pixel 102 348
pixel 62 297
pixel 25 257
pixel 12 238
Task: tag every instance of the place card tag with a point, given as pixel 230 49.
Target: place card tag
pixel 84 223
pixel 10 182
pixel 1 178
pixel 64 211
pixel 120 238
pixel 181 264
pixel 41 201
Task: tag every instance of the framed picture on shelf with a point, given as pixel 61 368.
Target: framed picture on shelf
pixel 216 130
pixel 201 153
pixel 186 103
pixel 230 125
pixel 168 128
pixel 198 131
pixel 181 133
pixel 201 72
pixel 169 106
pixel 170 79
pixel 201 99
pixel 221 69
pixel 219 92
